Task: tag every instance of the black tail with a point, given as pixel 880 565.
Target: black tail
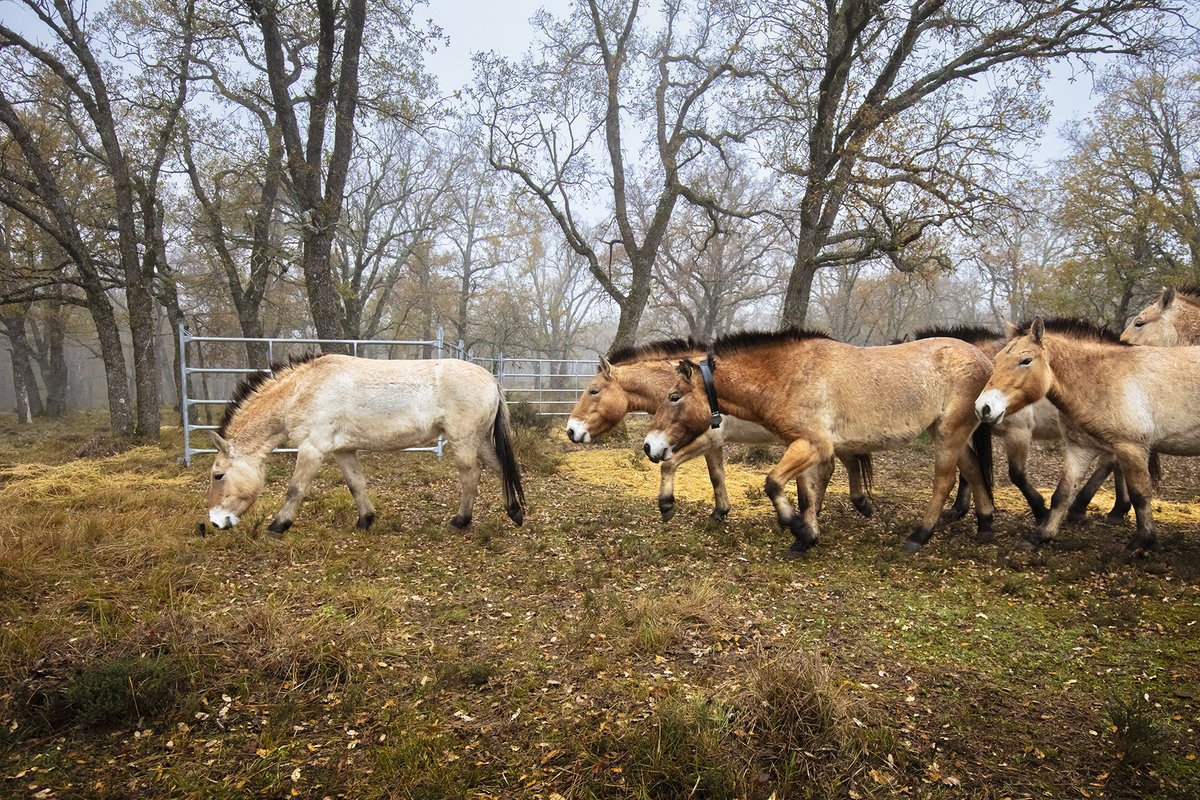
pixel 981 443
pixel 866 471
pixel 510 472
pixel 1155 469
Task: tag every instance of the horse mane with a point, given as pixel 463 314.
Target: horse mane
pixel 1076 328
pixel 1189 293
pixel 971 334
pixel 749 340
pixel 664 348
pixel 253 382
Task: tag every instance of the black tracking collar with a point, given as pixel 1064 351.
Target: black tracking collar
pixel 706 372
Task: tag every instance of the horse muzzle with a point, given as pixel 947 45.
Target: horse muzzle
pixel 222 519
pixel 656 447
pixel 990 407
pixel 577 431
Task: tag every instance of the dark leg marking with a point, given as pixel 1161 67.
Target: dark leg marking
pixel 917 539
pixel 459 522
pixel 862 504
pixel 365 522
pixel 666 507
pixel 962 500
pixel 278 527
pixel 983 528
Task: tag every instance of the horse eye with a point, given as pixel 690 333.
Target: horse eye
pixel 218 476
pixel 1139 323
pixel 593 391
pixel 675 397
pixel 1025 362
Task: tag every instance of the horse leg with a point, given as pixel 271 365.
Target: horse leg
pixel 962 500
pixel 1124 500
pixel 1079 507
pixel 1077 459
pixel 466 459
pixel 308 464
pixel 858 468
pixel 1016 452
pixel 715 460
pixel 703 445
pixel 969 469
pixel 347 461
pixel 1132 463
pixel 945 463
pixel 798 457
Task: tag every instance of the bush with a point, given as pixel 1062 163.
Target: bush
pixel 124 689
pixel 524 414
pixel 1134 730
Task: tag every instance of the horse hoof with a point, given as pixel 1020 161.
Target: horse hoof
pixel 984 537
pixel 911 545
pixel 863 506
pixel 279 527
pixel 459 522
pixel 1026 545
pixel 517 515
pixel 1074 517
pixel 365 522
pixel 956 513
pixel 718 516
pixel 795 552
pixel 1115 517
pixel 668 514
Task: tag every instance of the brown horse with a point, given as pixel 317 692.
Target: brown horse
pixel 1112 398
pixel 637 379
pixel 821 396
pixel 337 405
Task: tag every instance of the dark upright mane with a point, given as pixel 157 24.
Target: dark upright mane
pixel 971 334
pixel 664 348
pixel 748 340
pixel 253 382
pixel 1076 328
pixel 1189 293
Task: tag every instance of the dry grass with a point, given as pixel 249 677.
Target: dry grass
pixel 592 653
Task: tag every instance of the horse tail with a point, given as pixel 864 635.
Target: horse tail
pixel 1155 469
pixel 866 471
pixel 981 443
pixel 510 472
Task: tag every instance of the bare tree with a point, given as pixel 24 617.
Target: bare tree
pixel 871 95
pixel 605 79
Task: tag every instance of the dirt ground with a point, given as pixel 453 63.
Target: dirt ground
pixel 594 652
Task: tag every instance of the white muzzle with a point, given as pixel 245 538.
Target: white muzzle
pixel 577 431
pixel 657 447
pixel 222 519
pixel 990 406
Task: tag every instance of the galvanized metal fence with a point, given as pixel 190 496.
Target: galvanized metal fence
pixel 211 367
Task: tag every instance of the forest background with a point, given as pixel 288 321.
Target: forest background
pixel 294 169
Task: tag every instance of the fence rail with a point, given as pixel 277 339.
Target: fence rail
pixel 550 385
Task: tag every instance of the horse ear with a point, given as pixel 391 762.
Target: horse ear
pixel 1010 329
pixel 1167 297
pixel 685 369
pixel 1037 330
pixel 605 367
pixel 219 443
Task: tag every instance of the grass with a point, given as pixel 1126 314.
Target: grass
pixel 593 652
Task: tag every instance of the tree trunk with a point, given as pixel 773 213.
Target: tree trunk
pixel 28 399
pixel 799 288
pixel 634 303
pixel 52 359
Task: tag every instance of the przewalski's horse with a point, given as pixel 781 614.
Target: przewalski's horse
pixel 1017 432
pixel 1173 320
pixel 821 396
pixel 1112 398
pixel 337 405
pixel 637 379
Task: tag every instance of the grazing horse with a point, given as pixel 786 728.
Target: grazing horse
pixel 338 405
pixel 1112 398
pixel 639 378
pixel 821 396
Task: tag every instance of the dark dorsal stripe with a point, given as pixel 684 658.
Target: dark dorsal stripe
pixel 253 382
pixel 664 348
pixel 750 340
pixel 1076 328
pixel 971 334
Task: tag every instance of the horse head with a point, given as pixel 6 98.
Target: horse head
pixel 1021 375
pixel 682 418
pixel 235 482
pixel 1156 324
pixel 601 407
